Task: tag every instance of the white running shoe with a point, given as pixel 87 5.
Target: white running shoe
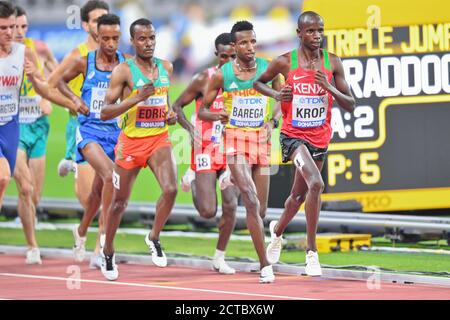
pixel 267 275
pixel 95 261
pixel 312 267
pixel 187 179
pixel 109 267
pixel 65 166
pixel 225 180
pixel 33 256
pixel 220 265
pixel 158 256
pixel 79 248
pixel 273 250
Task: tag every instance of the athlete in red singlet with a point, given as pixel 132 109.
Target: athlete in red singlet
pixel 306 99
pixel 208 163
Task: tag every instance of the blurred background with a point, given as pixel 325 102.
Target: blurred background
pixel 186 29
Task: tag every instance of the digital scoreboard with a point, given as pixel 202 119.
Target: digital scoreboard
pixel 393 152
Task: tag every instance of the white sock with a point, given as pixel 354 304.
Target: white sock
pixel 219 254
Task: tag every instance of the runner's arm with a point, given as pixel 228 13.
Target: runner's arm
pixel 74 69
pixel 40 85
pixel 280 65
pixel 118 83
pixel 193 91
pixel 171 116
pixel 341 92
pixel 50 61
pixel 215 84
pixel 276 112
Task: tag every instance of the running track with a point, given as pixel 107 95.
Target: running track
pixel 51 281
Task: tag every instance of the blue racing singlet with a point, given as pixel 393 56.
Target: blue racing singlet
pixel 95 86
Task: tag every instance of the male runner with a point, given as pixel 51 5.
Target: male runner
pixel 13 57
pixel 247 132
pixel 208 163
pixel 141 84
pixel 84 173
pixel 34 128
pixel 96 138
pixel 306 99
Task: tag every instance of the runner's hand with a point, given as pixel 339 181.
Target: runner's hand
pixel 80 106
pixel 285 94
pixel 223 117
pixel 322 80
pixel 146 91
pixel 268 127
pixel 196 137
pixel 30 68
pixel 171 118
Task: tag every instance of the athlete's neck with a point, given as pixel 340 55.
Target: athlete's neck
pixel 104 57
pixel 146 63
pixel 5 50
pixel 91 43
pixel 308 55
pixel 245 66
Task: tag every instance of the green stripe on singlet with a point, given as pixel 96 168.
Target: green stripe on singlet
pixel 326 60
pixel 294 59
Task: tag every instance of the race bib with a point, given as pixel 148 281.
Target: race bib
pixel 97 101
pixel 8 106
pixel 203 162
pixel 152 112
pixel 29 110
pixel 248 111
pixel 309 111
pixel 217 130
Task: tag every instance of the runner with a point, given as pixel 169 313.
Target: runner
pixel 96 138
pixel 247 133
pixel 306 99
pixel 12 61
pixel 84 173
pixel 142 85
pixel 208 163
pixel 34 128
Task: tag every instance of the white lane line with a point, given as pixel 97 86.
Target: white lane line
pixel 129 284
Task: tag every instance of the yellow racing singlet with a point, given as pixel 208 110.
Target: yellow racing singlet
pixel 29 109
pixel 76 84
pixel 148 118
pixel 248 109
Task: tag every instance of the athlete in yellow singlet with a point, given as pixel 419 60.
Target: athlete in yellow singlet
pixel 142 84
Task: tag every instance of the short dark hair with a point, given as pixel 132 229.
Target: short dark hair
pixel 139 22
pixel 6 9
pixel 240 26
pixel 20 11
pixel 223 39
pixel 108 20
pixel 305 15
pixel 90 6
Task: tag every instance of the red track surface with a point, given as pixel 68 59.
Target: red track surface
pixel 51 280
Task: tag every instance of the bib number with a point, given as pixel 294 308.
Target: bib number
pixel 29 109
pixel 152 112
pixel 97 101
pixel 248 112
pixel 203 162
pixel 309 111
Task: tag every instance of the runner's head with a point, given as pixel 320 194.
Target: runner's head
pixel 90 13
pixel 310 30
pixel 7 23
pixel 244 40
pixel 224 48
pixel 108 27
pixel 143 38
pixel 21 25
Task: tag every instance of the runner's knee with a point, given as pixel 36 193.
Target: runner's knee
pixel 170 191
pixel 317 186
pixel 207 210
pixel 119 206
pixel 4 181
